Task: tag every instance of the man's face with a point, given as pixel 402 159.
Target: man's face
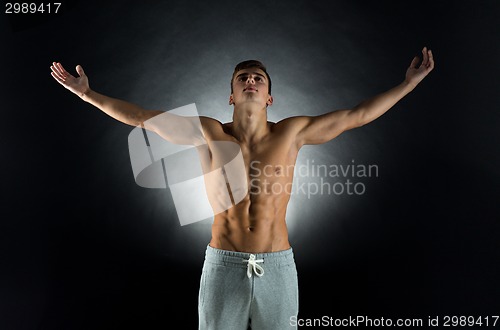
pixel 250 85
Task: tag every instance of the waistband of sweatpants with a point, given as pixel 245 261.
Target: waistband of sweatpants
pixel 237 259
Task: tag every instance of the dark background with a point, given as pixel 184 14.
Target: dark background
pixel 83 247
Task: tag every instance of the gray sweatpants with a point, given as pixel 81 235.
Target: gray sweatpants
pixel 239 290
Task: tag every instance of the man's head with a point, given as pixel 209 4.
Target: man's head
pixel 250 64
pixel 250 78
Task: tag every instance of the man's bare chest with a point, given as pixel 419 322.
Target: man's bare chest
pixel 273 157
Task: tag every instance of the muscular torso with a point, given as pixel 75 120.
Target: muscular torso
pixel 256 223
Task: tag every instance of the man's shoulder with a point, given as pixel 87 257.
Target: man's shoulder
pixel 291 123
pixel 213 128
pixel 209 121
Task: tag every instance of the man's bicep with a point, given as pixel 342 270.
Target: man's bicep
pixel 323 128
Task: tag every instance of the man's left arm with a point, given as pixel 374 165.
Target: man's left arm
pixel 323 128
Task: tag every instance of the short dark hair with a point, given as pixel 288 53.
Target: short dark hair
pixel 251 64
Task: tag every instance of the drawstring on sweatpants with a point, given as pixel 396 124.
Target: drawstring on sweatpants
pixel 253 266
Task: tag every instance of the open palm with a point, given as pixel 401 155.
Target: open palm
pixel 78 85
pixel 415 74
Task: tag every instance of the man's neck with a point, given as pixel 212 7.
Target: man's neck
pixel 250 123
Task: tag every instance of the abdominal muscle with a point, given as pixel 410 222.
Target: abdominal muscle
pixel 256 225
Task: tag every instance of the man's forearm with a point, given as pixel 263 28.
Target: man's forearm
pixel 122 111
pixel 376 106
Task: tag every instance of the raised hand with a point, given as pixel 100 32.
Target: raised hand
pixel 415 74
pixel 78 85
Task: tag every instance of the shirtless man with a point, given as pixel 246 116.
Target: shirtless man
pixel 251 238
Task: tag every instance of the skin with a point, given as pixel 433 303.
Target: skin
pixel 257 223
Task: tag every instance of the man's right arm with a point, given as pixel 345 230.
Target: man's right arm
pixel 125 112
pixel 171 127
pixel 122 111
